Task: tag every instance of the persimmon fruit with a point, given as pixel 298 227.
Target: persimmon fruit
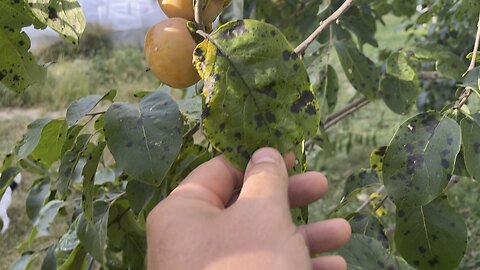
pixel 184 9
pixel 169 51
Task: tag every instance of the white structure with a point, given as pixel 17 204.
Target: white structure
pixel 6 201
pixel 129 20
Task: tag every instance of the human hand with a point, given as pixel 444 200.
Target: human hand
pixel 202 225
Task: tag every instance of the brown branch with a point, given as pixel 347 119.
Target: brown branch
pixel 191 131
pixel 430 75
pixel 468 91
pixel 346 111
pixel 323 24
pixel 475 48
pixel 199 15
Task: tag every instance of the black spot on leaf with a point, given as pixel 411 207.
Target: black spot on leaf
pixel 270 117
pixel 449 141
pixel 304 99
pixel 259 120
pixel 430 122
pixel 422 249
pixel 400 213
pixel 222 126
pixel 52 13
pixel 237 135
pixel 286 55
pixel 409 148
pixel 237 29
pixel 445 163
pixel 414 162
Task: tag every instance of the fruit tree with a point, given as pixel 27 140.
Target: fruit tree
pixel 262 75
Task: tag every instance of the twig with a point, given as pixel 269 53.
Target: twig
pixel 346 111
pixel 367 201
pixel 468 91
pixel 192 131
pixel 430 75
pixel 198 9
pixel 323 24
pixel 96 113
pixel 475 48
pixel 38 167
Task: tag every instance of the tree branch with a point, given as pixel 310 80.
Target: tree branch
pixel 468 91
pixel 430 75
pixel 475 48
pixel 367 201
pixel 199 15
pixel 323 24
pixel 346 111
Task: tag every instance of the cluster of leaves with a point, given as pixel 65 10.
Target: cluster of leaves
pixel 106 164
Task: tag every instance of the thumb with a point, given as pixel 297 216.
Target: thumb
pixel 266 178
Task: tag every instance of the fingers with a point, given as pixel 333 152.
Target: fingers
pixel 266 178
pixel 212 182
pixel 326 235
pixel 306 188
pixel 329 263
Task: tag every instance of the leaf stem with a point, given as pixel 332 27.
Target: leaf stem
pixel 468 91
pixel 192 131
pixel 300 50
pixel 198 11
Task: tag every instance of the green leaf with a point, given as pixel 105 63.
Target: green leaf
pixel 18 68
pixel 470 56
pixel 63 16
pixel 69 254
pixel 399 95
pixel 398 66
pixel 31 138
pixel 24 262
pixel 366 253
pixel 37 197
pixel 432 236
pixel 471 144
pixel 94 236
pixel 69 163
pixel 360 179
pixel 145 143
pixel 88 173
pixel 258 93
pixel 46 217
pixel 6 178
pixel 72 134
pixel 359 69
pixel 369 225
pixel 49 261
pixel 376 159
pixel 325 84
pixel 191 108
pixel 139 194
pixel 451 66
pixel 361 24
pixel 51 141
pixel 420 159
pixel 83 106
pixel 472 79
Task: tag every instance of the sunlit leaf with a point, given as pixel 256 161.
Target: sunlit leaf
pixel 49 147
pixel 432 236
pixel 257 91
pixel 376 159
pixel 420 159
pixel 64 16
pixel 18 68
pixel 145 142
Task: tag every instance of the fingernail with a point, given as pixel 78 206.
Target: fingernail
pixel 266 155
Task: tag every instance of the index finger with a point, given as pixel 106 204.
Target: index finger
pixel 212 182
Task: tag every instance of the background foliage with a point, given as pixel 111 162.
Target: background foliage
pixel 88 207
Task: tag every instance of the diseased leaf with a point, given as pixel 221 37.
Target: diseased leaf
pixel 360 179
pixel 18 68
pixel 362 24
pixel 399 95
pixel 94 236
pixel 325 84
pixel 398 66
pixel 145 143
pixel 420 159
pixel 471 144
pixel 63 16
pixel 257 91
pixel 369 225
pixel 432 236
pixel 88 173
pixel 366 253
pixel 376 159
pixel 359 69
pixel 83 106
